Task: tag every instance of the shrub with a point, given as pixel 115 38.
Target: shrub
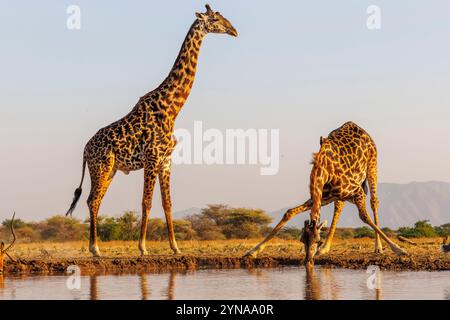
pixel 364 232
pixel 290 233
pixel 344 233
pixel 205 227
pixel 421 228
pixel 129 226
pixel 61 228
pixel 238 223
pixel 183 230
pixel 108 228
pixel 389 232
pixel 157 229
pixel 443 230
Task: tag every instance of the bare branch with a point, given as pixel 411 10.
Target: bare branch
pixel 13 233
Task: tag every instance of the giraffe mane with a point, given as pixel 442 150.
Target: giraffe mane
pixel 314 158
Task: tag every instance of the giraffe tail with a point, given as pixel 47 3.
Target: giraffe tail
pixel 364 186
pixel 77 193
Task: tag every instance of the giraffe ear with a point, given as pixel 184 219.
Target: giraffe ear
pixel 200 16
pixel 323 225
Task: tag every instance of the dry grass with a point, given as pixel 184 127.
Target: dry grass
pixel 221 248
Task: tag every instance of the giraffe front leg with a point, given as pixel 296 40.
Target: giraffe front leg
pixel 150 173
pixel 286 217
pixel 325 248
pixel 164 183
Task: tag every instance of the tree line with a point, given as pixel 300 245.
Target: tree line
pixel 215 222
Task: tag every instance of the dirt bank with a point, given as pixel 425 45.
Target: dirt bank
pixel 162 263
pixel 123 257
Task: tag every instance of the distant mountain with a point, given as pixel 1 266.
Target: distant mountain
pixel 187 212
pixel 400 205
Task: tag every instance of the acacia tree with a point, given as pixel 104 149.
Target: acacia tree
pixel 129 225
pixel 205 227
pixel 236 223
pixel 157 229
pixel 60 228
pixel 108 228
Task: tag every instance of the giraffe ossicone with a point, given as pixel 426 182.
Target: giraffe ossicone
pixel 143 139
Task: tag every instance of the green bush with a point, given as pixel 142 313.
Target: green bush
pixel 156 230
pixel 421 228
pixel 129 224
pixel 290 233
pixel 364 232
pixel 344 233
pixel 183 230
pixel 108 228
pixel 443 230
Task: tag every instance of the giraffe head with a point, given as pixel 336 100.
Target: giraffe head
pixel 214 22
pixel 311 240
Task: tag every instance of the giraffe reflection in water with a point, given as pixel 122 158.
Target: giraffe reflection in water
pixel 322 285
pixel 145 291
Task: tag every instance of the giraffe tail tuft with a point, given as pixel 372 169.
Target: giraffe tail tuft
pixel 77 193
pixel 364 186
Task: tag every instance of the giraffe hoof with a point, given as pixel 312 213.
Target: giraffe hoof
pixel 250 254
pixel 176 251
pixel 400 252
pixel 95 252
pixel 144 253
pixel 378 250
pixel 323 251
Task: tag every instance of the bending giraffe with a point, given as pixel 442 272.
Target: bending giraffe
pixel 143 139
pixel 345 161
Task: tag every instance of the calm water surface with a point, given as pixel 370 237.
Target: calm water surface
pixel 280 283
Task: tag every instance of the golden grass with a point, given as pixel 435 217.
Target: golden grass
pixel 233 248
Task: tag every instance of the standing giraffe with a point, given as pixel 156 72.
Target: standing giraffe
pixel 345 161
pixel 144 137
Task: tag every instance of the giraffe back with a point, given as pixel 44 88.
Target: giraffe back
pixel 343 160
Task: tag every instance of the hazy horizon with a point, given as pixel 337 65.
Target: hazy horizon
pixel 300 67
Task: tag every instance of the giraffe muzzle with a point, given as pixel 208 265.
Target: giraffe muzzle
pixel 232 32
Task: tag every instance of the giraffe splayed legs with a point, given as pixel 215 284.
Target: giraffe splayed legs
pixel 347 158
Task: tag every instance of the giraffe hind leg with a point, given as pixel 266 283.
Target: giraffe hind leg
pixel 360 201
pixel 101 177
pixel 372 181
pixel 164 182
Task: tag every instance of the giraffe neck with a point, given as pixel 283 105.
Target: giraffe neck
pixel 176 87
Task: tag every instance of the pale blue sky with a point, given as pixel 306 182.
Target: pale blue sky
pixel 303 67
